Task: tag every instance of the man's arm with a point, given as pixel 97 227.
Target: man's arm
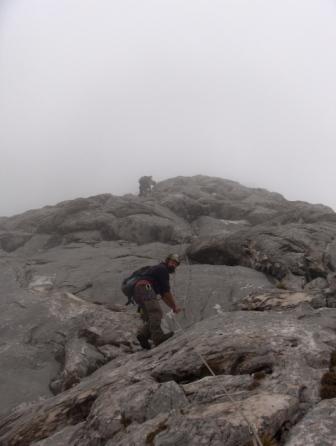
pixel 169 300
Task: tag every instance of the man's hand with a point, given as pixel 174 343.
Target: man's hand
pixel 169 300
pixel 177 309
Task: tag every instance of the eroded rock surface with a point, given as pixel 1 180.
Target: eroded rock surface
pixel 317 427
pixel 293 254
pixel 72 372
pixel 50 338
pixel 270 363
pixel 281 299
pixel 43 330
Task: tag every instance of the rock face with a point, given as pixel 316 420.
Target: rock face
pixel 292 253
pixel 271 364
pixel 305 432
pixel 50 340
pixel 254 344
pixel 171 214
pixel 223 199
pixel 98 218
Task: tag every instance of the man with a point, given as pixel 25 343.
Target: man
pixel 155 281
pixel 145 186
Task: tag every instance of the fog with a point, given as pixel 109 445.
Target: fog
pixel 95 94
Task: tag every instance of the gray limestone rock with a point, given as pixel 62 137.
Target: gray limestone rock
pixel 280 252
pixel 93 219
pixel 11 241
pixel 61 438
pixel 193 197
pixel 64 326
pixel 280 300
pixel 319 283
pixel 221 387
pixel 205 290
pixel 205 226
pixel 317 428
pixel 96 273
pixel 165 215
pixel 36 325
pixel 80 360
pixel 331 255
pixel 167 398
pixel 271 363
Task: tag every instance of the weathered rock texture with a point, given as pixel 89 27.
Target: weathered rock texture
pixel 72 372
pixel 317 427
pixel 270 363
pixel 293 254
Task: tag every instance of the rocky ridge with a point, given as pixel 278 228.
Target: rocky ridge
pixel 258 287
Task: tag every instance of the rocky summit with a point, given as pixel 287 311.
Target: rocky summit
pixel 253 357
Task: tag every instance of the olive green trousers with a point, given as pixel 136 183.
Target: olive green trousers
pixel 151 314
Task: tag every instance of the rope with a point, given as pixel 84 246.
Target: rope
pixel 252 429
pixel 186 297
pixel 187 292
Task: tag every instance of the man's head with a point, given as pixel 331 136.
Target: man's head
pixel 172 261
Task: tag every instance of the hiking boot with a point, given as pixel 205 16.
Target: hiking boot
pixel 164 337
pixel 143 342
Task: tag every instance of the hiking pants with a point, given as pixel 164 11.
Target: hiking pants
pixel 151 313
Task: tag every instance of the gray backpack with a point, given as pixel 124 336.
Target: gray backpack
pixel 128 284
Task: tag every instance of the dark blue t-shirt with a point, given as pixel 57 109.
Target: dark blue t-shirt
pixel 158 276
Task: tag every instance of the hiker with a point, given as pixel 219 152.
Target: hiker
pixel 155 281
pixel 145 186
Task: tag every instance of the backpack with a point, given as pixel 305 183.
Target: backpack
pixel 128 284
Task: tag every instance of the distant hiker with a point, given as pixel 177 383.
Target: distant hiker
pixel 145 186
pixel 153 282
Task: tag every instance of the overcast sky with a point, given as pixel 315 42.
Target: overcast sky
pixel 96 93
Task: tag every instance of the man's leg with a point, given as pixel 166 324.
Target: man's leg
pixel 154 314
pixel 143 332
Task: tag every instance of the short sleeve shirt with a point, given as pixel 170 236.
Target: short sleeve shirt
pixel 158 276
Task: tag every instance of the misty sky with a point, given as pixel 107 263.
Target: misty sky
pixel 96 93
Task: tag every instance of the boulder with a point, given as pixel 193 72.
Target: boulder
pixel 271 363
pixel 72 371
pixel 281 252
pixel 193 197
pixel 281 299
pixel 331 255
pixel 95 272
pixel 176 210
pixel 317 427
pixel 37 326
pixel 11 241
pixel 209 226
